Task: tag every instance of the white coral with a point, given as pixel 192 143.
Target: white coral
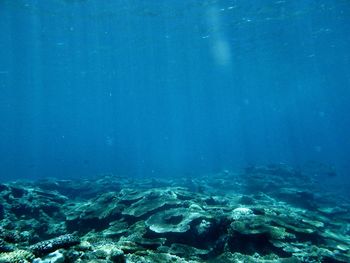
pixel 241 212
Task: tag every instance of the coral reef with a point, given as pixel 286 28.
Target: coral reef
pixel 263 214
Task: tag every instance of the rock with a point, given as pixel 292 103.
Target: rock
pixel 117 256
pixel 4 247
pixel 54 257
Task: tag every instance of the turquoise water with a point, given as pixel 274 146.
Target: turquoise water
pixel 162 88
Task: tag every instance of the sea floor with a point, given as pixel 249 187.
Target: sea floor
pixel 262 214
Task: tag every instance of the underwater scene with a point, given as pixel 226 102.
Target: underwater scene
pixel 169 131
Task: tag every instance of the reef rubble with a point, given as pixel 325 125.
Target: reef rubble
pixel 262 214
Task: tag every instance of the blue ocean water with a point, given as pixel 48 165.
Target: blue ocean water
pixel 166 88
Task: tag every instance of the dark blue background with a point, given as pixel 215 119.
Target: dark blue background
pixel 165 88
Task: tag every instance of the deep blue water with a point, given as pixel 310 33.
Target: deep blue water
pixel 166 88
